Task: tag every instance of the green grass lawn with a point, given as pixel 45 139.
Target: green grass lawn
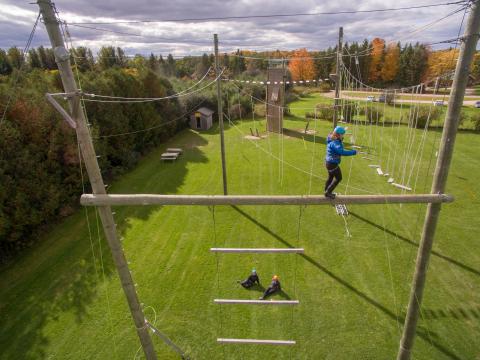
pixel 60 301
pixel 391 112
pixel 406 96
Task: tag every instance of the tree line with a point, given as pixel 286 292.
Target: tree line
pixel 39 166
pixel 40 179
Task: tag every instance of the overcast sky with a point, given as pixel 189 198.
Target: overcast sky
pixel 195 37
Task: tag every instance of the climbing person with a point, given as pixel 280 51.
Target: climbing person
pixel 273 287
pixel 335 151
pixel 251 280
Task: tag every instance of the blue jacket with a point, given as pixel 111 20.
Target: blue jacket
pixel 335 151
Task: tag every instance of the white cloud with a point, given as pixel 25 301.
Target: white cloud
pixel 312 32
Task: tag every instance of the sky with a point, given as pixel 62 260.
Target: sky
pixel 196 37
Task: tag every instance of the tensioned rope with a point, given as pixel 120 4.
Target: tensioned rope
pixel 218 271
pixel 66 37
pixel 280 106
pixel 286 162
pixel 152 127
pixel 119 99
pixel 222 18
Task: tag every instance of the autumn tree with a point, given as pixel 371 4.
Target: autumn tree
pixel 441 62
pixel 391 63
pixel 301 66
pixel 476 67
pixel 376 59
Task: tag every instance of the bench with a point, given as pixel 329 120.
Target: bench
pixel 175 150
pixel 169 156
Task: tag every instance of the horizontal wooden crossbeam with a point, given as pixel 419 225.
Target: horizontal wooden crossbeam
pixel 256 302
pixel 205 200
pixel 258 250
pixel 256 341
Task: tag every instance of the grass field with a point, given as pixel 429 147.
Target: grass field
pixel 404 96
pixel 391 112
pixel 60 301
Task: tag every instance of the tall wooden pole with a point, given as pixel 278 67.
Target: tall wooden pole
pixel 62 58
pixel 467 51
pixel 220 114
pixel 337 76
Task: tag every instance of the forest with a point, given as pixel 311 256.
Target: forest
pixel 40 172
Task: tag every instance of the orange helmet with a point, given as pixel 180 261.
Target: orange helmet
pixel 275 277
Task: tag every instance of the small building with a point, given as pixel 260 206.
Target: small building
pixel 201 119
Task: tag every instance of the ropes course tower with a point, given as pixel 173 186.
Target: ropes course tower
pixel 99 198
pixel 275 96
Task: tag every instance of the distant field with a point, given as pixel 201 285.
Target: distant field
pixel 392 112
pixel 425 97
pixel 60 301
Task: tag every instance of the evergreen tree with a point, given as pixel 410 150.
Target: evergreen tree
pixel 121 60
pixel 34 59
pixel 170 66
pixel 83 58
pixel 50 63
pixel 5 66
pixel 152 62
pixel 15 57
pixel 106 57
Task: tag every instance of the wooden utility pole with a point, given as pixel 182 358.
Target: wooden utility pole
pixel 467 51
pixel 210 200
pixel 62 58
pixel 337 76
pixel 220 114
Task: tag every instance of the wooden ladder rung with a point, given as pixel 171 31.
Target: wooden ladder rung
pixel 255 341
pixel 258 250
pixel 256 302
pixel 402 186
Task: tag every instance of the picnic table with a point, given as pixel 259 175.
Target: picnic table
pixel 175 150
pixel 169 156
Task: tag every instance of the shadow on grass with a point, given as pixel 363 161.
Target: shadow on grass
pixel 256 287
pixel 459 313
pixel 66 280
pixel 422 333
pixel 410 242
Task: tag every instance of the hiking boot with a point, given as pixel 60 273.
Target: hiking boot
pixel 330 195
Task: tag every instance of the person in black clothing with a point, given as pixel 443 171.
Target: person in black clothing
pixel 273 288
pixel 251 280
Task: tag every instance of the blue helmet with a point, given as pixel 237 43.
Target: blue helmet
pixel 339 130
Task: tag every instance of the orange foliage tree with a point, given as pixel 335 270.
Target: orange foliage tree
pixel 301 66
pixel 391 62
pixel 376 59
pixel 441 62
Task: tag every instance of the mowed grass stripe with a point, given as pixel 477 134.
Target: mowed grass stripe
pixel 346 305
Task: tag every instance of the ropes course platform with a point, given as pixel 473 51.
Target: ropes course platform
pixel 206 200
pixel 341 209
pixel 256 302
pixel 258 250
pixel 256 341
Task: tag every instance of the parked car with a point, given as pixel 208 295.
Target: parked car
pixel 437 102
pixel 370 98
pixel 382 98
pixel 477 104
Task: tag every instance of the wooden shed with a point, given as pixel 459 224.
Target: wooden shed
pixel 201 119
